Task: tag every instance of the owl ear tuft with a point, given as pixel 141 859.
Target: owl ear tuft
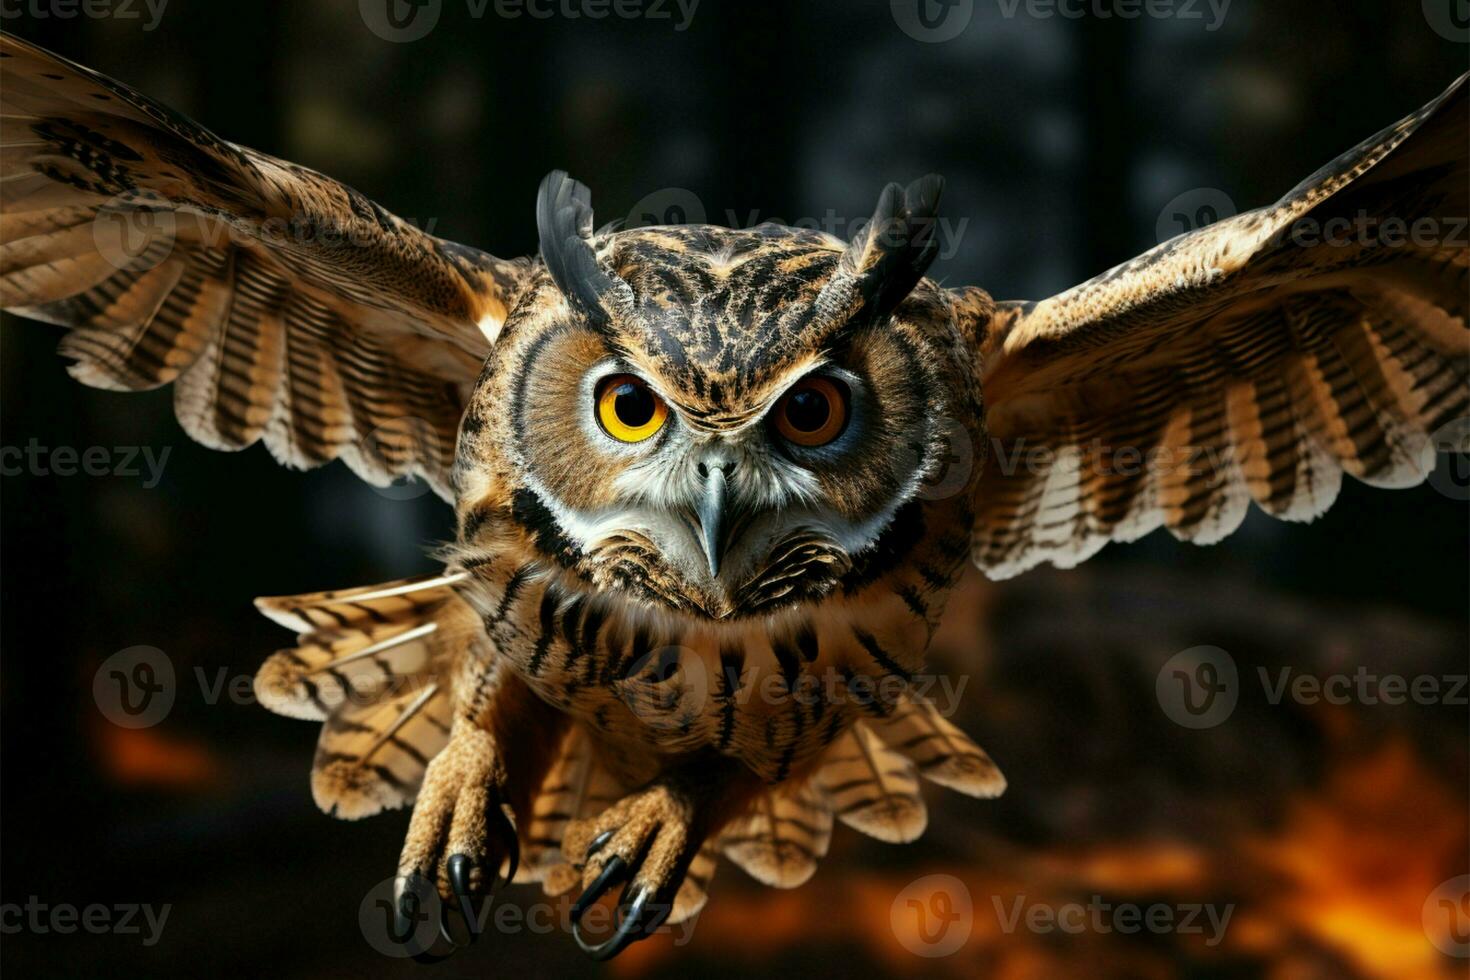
pixel 564 222
pixel 891 253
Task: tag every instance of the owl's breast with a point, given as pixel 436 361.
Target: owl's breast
pixel 773 691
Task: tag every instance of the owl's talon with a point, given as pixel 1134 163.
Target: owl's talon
pixel 408 900
pixel 463 908
pixel 644 842
pixel 599 842
pixel 637 919
pixel 614 872
pixel 459 875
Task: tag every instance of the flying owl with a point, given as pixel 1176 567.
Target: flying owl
pixel 712 486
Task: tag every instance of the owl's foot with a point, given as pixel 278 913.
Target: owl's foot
pixel 644 842
pixel 460 837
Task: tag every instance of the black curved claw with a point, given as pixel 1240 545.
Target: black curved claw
pixel 512 850
pixel 413 897
pixel 613 873
pixel 599 842
pixel 637 920
pixel 462 911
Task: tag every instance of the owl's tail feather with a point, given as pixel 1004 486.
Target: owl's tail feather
pixel 782 836
pixel 872 787
pixel 868 779
pixel 372 664
pixel 942 753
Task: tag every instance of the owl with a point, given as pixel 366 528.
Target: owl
pixel 712 486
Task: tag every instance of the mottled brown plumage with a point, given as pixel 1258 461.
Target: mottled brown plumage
pixel 645 654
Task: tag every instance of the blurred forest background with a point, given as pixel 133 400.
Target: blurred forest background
pixel 1068 146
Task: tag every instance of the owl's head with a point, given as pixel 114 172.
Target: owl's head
pixel 715 421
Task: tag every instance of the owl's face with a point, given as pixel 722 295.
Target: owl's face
pixel 726 439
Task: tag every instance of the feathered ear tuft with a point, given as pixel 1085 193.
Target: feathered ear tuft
pixel 564 222
pixel 889 256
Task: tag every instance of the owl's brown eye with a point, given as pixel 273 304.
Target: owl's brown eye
pixel 627 408
pixel 813 413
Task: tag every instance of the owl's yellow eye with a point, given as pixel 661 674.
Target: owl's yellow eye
pixel 813 412
pixel 627 408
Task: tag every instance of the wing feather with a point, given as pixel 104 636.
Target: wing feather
pixel 1252 361
pixel 284 306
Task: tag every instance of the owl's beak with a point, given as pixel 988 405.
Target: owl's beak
pixel 714 521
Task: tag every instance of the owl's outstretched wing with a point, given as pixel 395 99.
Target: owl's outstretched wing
pixel 1255 359
pixel 281 304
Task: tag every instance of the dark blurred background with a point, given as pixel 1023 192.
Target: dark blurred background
pixel 1068 145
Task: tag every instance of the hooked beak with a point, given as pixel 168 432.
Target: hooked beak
pixel 714 518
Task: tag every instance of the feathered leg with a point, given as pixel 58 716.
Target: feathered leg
pixel 462 834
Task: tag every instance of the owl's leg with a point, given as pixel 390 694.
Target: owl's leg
pixel 646 842
pixel 461 834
